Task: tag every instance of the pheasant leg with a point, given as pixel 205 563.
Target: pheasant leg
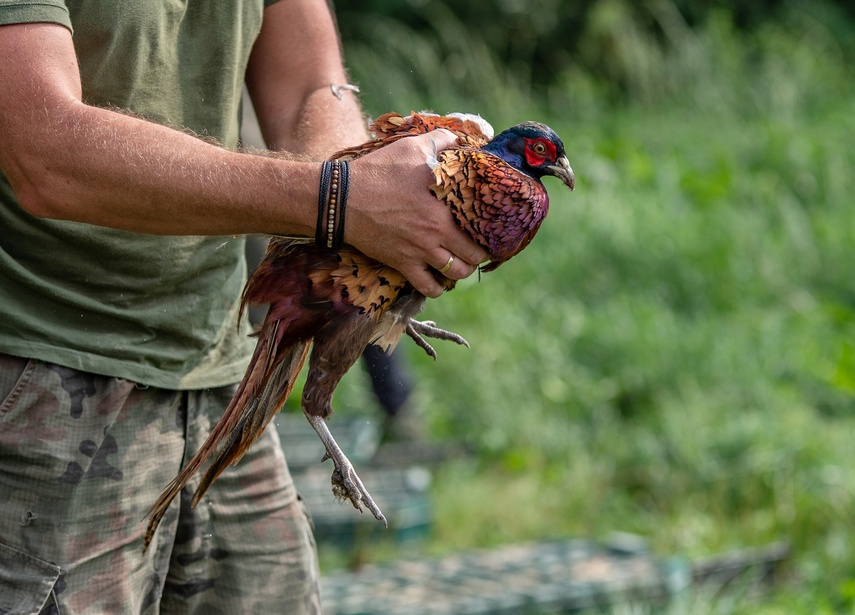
pixel 345 482
pixel 416 329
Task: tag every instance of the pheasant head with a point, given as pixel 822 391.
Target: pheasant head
pixel 495 191
pixel 534 149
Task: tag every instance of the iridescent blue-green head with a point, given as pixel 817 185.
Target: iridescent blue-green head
pixel 534 149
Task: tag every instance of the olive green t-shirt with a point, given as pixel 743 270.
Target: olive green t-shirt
pixel 157 310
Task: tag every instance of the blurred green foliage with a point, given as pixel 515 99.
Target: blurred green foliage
pixel 536 44
pixel 675 354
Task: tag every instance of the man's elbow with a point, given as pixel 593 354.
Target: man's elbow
pixel 37 194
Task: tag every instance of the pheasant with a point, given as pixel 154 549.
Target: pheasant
pixel 336 302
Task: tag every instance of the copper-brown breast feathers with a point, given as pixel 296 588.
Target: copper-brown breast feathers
pixel 497 205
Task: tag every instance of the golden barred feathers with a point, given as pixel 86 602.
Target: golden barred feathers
pixel 360 281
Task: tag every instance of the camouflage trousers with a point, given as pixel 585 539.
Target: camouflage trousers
pixel 82 459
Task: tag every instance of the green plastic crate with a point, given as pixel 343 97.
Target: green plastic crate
pixel 532 578
pixel 359 438
pixel 401 493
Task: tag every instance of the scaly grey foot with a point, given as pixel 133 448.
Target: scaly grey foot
pixel 346 484
pixel 428 328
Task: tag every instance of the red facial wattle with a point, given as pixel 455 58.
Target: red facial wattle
pixel 539 152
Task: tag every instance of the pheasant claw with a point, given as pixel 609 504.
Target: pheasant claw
pixel 420 341
pixel 346 484
pixel 429 328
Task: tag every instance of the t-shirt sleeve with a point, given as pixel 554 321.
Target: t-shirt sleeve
pixel 34 11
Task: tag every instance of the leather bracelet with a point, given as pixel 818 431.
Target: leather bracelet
pixel 320 228
pixel 343 188
pixel 332 203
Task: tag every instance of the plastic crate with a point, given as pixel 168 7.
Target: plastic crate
pixel 401 493
pixel 539 578
pixel 357 437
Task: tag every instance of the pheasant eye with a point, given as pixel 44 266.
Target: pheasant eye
pixel 539 152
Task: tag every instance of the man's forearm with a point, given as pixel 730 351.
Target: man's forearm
pixel 101 167
pixel 325 124
pixel 295 61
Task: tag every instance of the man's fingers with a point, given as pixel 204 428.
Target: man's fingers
pixel 454 268
pixel 425 282
pixel 476 255
pixel 466 250
pixel 438 140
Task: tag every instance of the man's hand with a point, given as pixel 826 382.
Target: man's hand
pixel 393 217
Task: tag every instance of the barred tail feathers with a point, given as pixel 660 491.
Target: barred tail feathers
pixel 262 392
pixel 256 416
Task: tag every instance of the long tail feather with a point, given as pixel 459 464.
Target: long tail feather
pixel 274 372
pixel 256 416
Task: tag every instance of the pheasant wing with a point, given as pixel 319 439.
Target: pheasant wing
pixel 470 129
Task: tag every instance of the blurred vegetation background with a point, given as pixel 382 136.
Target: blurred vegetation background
pixel 674 355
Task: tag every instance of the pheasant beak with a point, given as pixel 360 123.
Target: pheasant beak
pixel 563 172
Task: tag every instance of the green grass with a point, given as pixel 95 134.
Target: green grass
pixel 674 354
